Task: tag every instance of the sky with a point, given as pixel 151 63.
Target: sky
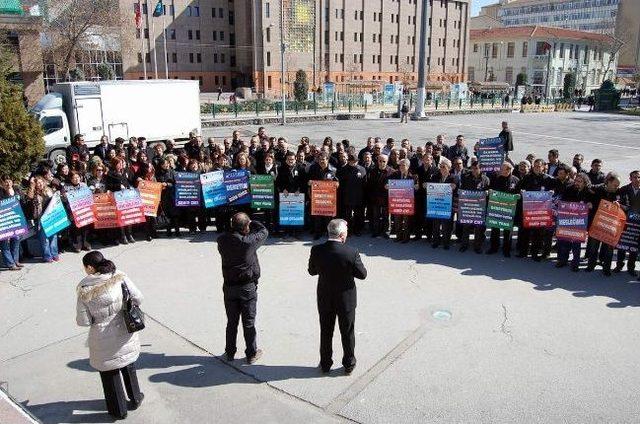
pixel 477 4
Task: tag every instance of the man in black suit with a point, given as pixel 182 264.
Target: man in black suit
pixel 336 265
pixel 241 271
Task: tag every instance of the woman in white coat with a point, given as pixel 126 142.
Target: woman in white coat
pixel 112 349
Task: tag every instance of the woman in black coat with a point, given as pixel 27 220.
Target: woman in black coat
pixel 167 176
pixel 120 178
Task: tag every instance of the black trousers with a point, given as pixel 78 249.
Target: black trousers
pixel 379 220
pixel 241 302
pixel 478 235
pixel 631 264
pixel 442 231
pixel 354 215
pixel 328 312
pixel 506 241
pixel 114 393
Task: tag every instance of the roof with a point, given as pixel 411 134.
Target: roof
pixel 531 31
pixel 484 22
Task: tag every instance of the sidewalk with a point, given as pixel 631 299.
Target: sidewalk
pixel 12 413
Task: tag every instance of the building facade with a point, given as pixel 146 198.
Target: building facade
pixel 546 55
pixel 229 44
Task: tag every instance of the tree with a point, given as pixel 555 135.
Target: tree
pixel 21 137
pixel 77 74
pixel 106 72
pixel 569 85
pixel 521 79
pixel 300 86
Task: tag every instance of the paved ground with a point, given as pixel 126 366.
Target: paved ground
pixel 441 336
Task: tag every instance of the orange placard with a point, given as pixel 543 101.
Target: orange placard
pixel 324 198
pixel 105 205
pixel 150 193
pixel 608 224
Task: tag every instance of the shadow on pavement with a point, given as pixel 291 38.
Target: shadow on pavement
pixel 78 411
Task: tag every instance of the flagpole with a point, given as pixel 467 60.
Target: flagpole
pixel 139 26
pixel 164 42
pixel 155 56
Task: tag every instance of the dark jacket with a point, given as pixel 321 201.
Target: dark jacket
pixel 291 179
pixel 629 200
pixel 376 191
pixel 336 265
pixel 102 151
pixel 75 152
pixel 461 152
pixel 115 181
pixel 596 177
pixel 505 184
pixel 352 182
pixel 468 181
pixel 507 140
pixel 239 259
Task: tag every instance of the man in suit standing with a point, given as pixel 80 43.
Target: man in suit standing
pixel 336 265
pixel 241 271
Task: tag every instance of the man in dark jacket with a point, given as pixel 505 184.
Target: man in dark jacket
pixel 630 201
pixel 337 265
pixel 474 180
pixel 241 271
pixel 76 151
pixel 352 178
pixel 507 138
pixel 506 182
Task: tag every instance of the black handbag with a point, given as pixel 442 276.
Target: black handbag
pixel 133 316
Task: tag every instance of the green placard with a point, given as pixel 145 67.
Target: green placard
pixel 501 209
pixel 262 191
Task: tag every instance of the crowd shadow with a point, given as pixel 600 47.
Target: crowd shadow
pixel 623 289
pixel 77 411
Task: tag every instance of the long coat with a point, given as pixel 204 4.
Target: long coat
pixel 99 306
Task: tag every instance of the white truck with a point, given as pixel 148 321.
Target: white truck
pixel 155 109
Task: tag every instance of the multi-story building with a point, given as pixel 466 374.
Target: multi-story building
pixel 229 44
pixel 546 55
pixel 614 17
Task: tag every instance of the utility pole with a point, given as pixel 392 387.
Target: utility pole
pixel 282 66
pixel 422 89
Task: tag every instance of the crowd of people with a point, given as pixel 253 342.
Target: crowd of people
pixel 362 176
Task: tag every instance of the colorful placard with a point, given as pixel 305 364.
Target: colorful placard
pixel 501 209
pixel 472 206
pixel 129 207
pixel 187 189
pixel 12 220
pixel 608 224
pixel 262 189
pixel 214 192
pixel 324 198
pixel 291 208
pixel 401 197
pixel 439 200
pixel 151 193
pixel 631 234
pixel 490 154
pixel 105 211
pixel 236 182
pixel 537 209
pixel 54 218
pixel 82 206
pixel 572 222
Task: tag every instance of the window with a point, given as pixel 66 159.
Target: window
pixel 222 58
pixel 508 76
pixel 374 37
pixel 525 49
pixel 146 33
pixel 268 35
pixel 232 39
pixel 586 55
pixel 144 8
pixel 197 34
pixel 174 57
pixel 538 77
pixel 139 57
pixel 268 58
pixel 200 80
pixel 269 81
pixel 561 50
pixel 190 35
pixel 232 18
pixel 221 35
pixel 570 51
pixel 487 46
pixel 172 34
pixel 232 60
pixel 191 57
pixel 172 11
pixel 196 11
pixel 511 50
pixel 147 57
pixel 215 58
pixel 373 59
pixel 540 48
pixel 215 35
pixel 52 124
pixel 475 48
pixel 494 50
pixel 213 12
pixel 220 13
pixel 341 57
pixel 267 11
pixel 355 36
pixel 199 57
pixel 189 11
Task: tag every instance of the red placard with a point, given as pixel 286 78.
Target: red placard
pixel 324 198
pixel 105 206
pixel 401 197
pixel 608 224
pixel 150 193
pixel 129 207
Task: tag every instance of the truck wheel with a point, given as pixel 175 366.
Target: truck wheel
pixel 58 156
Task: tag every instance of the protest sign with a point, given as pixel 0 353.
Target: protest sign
pixel 439 200
pixel 82 206
pixel 401 197
pixel 12 220
pixel 105 211
pixel 291 209
pixel 490 154
pixel 472 205
pixel 324 198
pixel 150 192
pixel 573 218
pixel 236 182
pixel 54 218
pixel 630 234
pixel 262 192
pixel 608 224
pixel 214 192
pixel 129 207
pixel 187 189
pixel 501 210
pixel 537 209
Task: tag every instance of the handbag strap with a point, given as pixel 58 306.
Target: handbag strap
pixel 126 296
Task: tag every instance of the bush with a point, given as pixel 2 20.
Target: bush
pixel 106 72
pixel 300 86
pixel 569 85
pixel 76 74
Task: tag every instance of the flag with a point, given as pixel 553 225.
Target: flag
pixel 159 10
pixel 138 12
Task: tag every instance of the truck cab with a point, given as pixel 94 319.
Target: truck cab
pixel 51 116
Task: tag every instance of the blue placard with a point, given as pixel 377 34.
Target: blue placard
pixel 54 219
pixel 236 182
pixel 187 189
pixel 292 209
pixel 12 220
pixel 214 191
pixel 490 154
pixel 439 200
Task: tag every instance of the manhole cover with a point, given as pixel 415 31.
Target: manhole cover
pixel 442 315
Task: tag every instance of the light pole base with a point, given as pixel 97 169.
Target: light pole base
pixel 421 96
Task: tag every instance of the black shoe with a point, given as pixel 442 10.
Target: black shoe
pixel 491 251
pixel 120 417
pixel 561 264
pixel 325 370
pixel 618 268
pixel 131 239
pixel 385 236
pixel 435 245
pixel 575 268
pixel 149 238
pixel 606 272
pixel 349 370
pixel 229 357
pixel 86 247
pixel 463 248
pixel 589 268
pixel 252 359
pixel 124 241
pixel 478 251
pixel 632 272
pixel 537 258
pixel 133 405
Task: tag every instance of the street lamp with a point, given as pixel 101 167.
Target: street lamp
pixel 282 68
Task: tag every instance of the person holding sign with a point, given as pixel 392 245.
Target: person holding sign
pixel 630 202
pixel 39 194
pixel 291 179
pixel 474 180
pixel 352 178
pixel 11 246
pixel 270 215
pixel 579 192
pixel 504 182
pixel 79 235
pixel 167 177
pixel 403 222
pixel 379 197
pixel 597 250
pixel 443 227
pixel 320 171
pixel 120 178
